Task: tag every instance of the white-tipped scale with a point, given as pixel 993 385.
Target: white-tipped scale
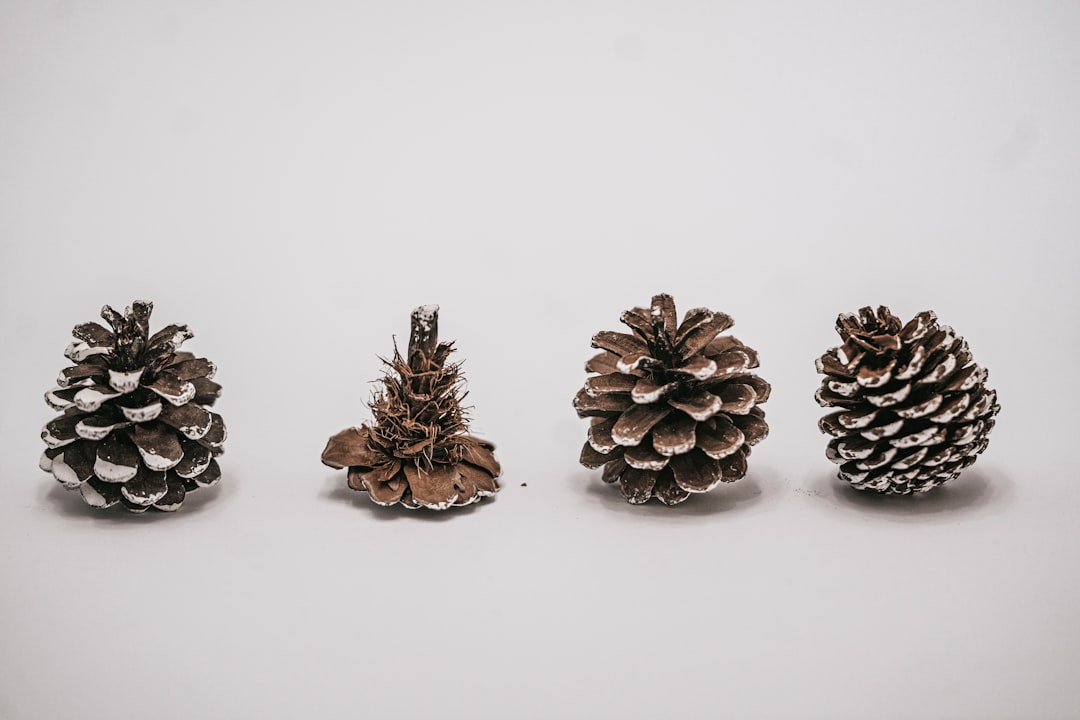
pixel 857 419
pixel 644 394
pixel 850 450
pixel 924 408
pixel 79 351
pixel 96 432
pixel 632 363
pixel 914 365
pixel 90 399
pixel 158 463
pixel 873 378
pixel 896 396
pixel 196 469
pixel 64 473
pixel 185 395
pixel 53 441
pixel 212 475
pixel 940 371
pixel 111 472
pixel 875 461
pixel 145 501
pixel 125 382
pixel 142 414
pixel 882 431
pixel 703 411
pixel 963 436
pixel 57 402
pixel 844 389
pixel 700 367
pixel 643 457
pixel 931 435
pixel 93 498
pixel 912 460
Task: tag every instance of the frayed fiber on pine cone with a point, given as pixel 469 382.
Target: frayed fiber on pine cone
pixel 674 407
pixel 418 451
pixel 915 410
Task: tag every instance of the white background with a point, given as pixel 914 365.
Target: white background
pixel 291 179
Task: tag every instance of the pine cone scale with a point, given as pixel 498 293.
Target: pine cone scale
pixel 602 363
pixel 699 367
pixel 208 477
pixel 734 466
pixel 694 318
pixel 649 390
pixel 700 407
pixel 158 445
pixel 480 454
pixel 388 492
pixel 173 498
pixel 634 424
pixel 146 488
pixel 611 383
pixel 475 483
pixel 600 437
pixel 117 460
pixel 698 338
pixel 621 344
pixel 637 485
pixel 694 474
pixel 192 421
pixel 667 491
pixel 720 442
pixel 350 447
pixel 644 457
pixel 592 458
pixel 675 435
pixel 99 494
pixel 196 459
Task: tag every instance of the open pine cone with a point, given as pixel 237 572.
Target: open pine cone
pixel 914 409
pixel 674 408
pixel 418 451
pixel 135 429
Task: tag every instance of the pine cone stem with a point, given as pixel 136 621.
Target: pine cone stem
pixel 424 336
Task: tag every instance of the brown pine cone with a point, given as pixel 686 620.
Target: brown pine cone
pixel 915 410
pixel 135 428
pixel 418 451
pixel 674 408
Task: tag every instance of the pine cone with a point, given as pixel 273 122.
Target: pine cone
pixel 134 429
pixel 674 408
pixel 418 451
pixel 915 410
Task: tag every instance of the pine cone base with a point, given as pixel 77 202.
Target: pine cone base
pixel 914 410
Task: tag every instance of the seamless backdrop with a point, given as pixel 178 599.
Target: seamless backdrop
pixel 291 179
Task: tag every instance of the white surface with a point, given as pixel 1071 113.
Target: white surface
pixel 291 179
